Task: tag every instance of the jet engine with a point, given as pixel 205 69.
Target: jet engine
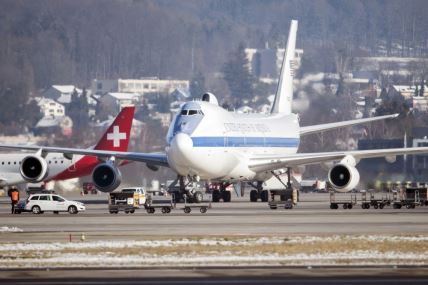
pixel 343 177
pixel 33 168
pixel 106 177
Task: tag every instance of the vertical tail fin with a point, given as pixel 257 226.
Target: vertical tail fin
pixel 284 93
pixel 116 137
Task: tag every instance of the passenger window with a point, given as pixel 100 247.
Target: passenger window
pixel 44 198
pixel 192 112
pixel 57 198
pixel 35 198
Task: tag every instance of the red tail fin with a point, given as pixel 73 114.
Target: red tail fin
pixel 117 136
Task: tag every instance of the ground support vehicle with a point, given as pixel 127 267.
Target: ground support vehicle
pixel 347 202
pixel 283 198
pixel 376 203
pixel 412 197
pixel 163 202
pixel 127 200
pixel 203 206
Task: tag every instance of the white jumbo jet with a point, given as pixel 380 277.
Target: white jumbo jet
pixel 207 142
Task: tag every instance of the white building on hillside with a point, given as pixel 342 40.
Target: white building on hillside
pixel 61 93
pixel 115 101
pixel 151 85
pixel 50 108
pixel 408 91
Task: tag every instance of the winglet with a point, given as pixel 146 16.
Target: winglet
pixel 284 93
pixel 116 137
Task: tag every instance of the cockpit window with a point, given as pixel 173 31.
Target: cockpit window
pixel 191 112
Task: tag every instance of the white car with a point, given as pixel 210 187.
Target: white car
pixel 39 203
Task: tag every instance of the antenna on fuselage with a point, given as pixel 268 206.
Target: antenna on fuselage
pixel 284 93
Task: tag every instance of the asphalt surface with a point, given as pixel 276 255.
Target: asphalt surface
pixel 311 216
pixel 329 275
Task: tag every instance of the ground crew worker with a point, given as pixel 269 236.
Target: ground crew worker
pixel 14 198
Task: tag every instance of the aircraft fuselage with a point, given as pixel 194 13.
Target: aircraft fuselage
pixel 214 144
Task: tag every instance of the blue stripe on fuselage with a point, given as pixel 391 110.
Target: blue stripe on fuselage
pixel 244 142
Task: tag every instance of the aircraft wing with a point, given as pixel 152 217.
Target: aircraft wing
pixel 272 163
pixel 156 159
pixel 329 126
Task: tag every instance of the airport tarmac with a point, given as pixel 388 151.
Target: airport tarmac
pixel 312 216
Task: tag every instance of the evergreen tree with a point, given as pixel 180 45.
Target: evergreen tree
pixel 78 111
pixel 416 91
pixel 383 94
pixel 422 90
pixel 197 85
pixel 238 77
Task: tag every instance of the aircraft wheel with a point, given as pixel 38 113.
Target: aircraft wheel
pixel 227 196
pixel 197 197
pixel 253 196
pixel 216 196
pixel 264 196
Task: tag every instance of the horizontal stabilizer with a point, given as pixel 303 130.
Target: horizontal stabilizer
pixel 330 126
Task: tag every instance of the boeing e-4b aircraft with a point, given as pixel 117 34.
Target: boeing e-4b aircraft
pixel 207 142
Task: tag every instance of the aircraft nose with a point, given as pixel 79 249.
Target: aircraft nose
pixel 182 143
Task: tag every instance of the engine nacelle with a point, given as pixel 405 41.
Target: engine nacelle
pixel 106 177
pixel 33 168
pixel 343 177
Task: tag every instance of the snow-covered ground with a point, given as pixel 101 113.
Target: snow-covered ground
pixel 392 250
pixel 5 229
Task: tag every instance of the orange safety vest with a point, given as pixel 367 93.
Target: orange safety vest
pixel 15 196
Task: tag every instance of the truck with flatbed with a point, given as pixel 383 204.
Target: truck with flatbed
pixel 127 200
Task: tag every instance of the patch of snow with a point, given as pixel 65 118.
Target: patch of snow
pixel 5 229
pixel 109 260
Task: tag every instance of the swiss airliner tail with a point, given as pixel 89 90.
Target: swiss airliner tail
pixel 284 93
pixel 116 137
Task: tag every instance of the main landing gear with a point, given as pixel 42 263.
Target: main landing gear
pixel 264 195
pixel 259 193
pixel 187 190
pixel 220 192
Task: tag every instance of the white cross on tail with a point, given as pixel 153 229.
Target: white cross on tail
pixel 116 136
